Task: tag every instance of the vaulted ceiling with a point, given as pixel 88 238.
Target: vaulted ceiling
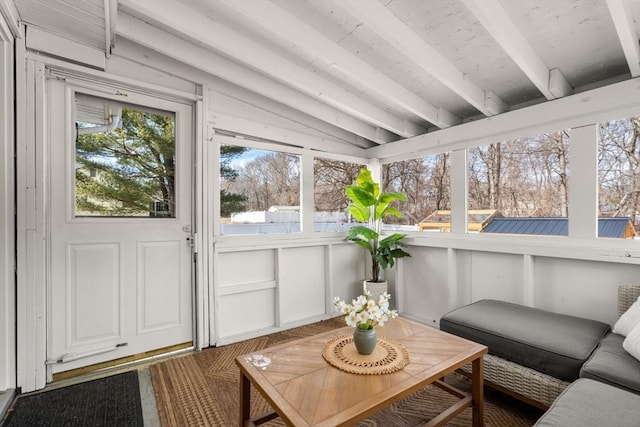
pixel 375 70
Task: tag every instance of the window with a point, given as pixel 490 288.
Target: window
pixel 259 191
pixel 330 179
pixel 425 181
pixel 522 184
pixel 619 178
pixel 125 160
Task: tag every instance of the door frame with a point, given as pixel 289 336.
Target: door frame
pixel 32 203
pixel 7 213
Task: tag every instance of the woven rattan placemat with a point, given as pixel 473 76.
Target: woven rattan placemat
pixel 389 356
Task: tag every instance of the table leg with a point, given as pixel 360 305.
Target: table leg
pixel 245 400
pixel 477 392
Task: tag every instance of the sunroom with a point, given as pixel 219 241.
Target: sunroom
pixel 174 172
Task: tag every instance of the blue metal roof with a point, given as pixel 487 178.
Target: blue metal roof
pixel 607 227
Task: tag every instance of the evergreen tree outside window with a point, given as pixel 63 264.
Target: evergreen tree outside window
pixel 127 171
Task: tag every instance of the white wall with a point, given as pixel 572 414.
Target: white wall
pixel 280 285
pixel 561 278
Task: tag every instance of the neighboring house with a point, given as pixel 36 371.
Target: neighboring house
pixel 476 220
pixel 618 227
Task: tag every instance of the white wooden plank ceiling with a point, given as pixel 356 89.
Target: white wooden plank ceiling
pixel 380 70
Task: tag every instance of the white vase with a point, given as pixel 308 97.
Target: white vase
pixel 375 288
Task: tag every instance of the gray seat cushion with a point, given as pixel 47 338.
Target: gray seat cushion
pixel 551 343
pixel 610 363
pixel 592 403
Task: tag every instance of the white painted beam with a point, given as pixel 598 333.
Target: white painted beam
pixel 626 29
pixel 339 60
pixel 130 52
pixel 202 59
pixel 499 25
pixel 558 84
pixel 275 133
pixel 377 17
pixel 586 108
pixel 43 41
pixel 11 17
pixel 213 35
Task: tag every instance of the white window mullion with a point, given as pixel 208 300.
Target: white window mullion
pixel 307 189
pixel 459 193
pixel 583 183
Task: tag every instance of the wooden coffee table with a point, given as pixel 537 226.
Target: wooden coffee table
pixel 305 390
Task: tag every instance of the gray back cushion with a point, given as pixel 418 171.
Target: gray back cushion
pixel 611 364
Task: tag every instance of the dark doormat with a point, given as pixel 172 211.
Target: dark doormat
pixel 109 401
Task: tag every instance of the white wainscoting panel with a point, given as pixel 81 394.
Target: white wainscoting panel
pixel 159 275
pixel 347 270
pixel 497 276
pixel 581 288
pixel 302 283
pixel 426 288
pixel 245 312
pixel 246 267
pixel 93 292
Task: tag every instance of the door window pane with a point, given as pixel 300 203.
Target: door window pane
pixel 125 160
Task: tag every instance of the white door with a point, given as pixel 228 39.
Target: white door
pixel 120 258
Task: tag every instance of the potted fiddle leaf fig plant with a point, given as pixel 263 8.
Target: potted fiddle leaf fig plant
pixel 370 206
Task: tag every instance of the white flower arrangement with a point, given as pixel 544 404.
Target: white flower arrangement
pixel 364 312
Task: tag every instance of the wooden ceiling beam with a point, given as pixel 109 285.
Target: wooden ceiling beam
pixel 499 25
pixel 627 33
pixel 380 19
pixel 338 60
pixel 230 43
pixel 202 59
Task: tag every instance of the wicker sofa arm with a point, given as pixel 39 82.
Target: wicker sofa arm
pixel 627 295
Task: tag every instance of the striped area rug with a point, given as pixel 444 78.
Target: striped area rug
pixel 202 389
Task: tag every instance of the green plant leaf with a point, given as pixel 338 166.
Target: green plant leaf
pixel 364 243
pixel 364 177
pixel 396 237
pixel 399 253
pixel 362 231
pixel 360 213
pixel 360 196
pixel 392 212
pixel 392 197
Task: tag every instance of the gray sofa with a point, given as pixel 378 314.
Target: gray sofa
pixel 592 403
pixel 538 356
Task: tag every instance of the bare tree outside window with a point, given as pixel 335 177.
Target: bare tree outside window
pixel 619 168
pixel 267 187
pixel 331 177
pixel 426 182
pixel 526 177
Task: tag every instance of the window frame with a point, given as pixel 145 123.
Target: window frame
pixel 307 203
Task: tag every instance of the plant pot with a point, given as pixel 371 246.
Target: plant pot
pixel 365 340
pixel 375 288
